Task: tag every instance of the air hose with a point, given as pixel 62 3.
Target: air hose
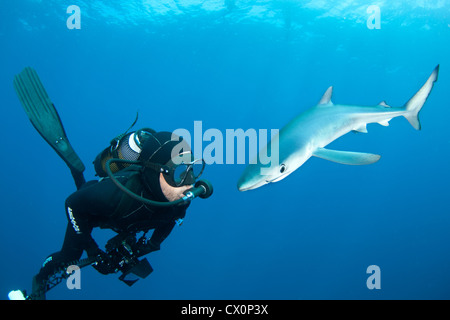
pixel 202 188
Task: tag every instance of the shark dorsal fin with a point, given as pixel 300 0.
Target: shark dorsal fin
pixel 326 98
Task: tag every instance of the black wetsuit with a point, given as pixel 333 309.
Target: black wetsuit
pixel 102 204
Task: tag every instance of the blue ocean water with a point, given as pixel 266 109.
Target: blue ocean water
pixel 238 64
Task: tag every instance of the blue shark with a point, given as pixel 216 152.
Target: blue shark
pixel 310 132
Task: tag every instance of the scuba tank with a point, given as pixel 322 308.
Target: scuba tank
pixel 126 146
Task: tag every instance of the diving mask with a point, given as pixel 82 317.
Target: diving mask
pixel 181 170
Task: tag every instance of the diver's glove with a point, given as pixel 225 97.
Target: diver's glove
pixel 146 246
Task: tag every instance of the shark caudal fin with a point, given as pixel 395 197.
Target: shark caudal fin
pixel 415 104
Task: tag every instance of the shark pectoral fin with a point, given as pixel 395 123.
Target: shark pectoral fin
pixel 346 157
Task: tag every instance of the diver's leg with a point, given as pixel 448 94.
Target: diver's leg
pixel 95 200
pixel 71 250
pixel 92 201
pixel 78 178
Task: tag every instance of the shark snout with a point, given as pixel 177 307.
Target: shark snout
pixel 248 185
pixel 252 181
pixel 249 180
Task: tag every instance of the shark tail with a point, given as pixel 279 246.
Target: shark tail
pixel 415 104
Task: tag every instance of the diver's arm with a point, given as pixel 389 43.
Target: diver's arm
pixel 158 236
pixel 161 233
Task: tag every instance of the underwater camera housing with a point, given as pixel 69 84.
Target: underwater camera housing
pixel 123 252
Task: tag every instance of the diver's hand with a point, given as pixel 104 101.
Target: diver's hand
pixel 146 247
pixel 104 264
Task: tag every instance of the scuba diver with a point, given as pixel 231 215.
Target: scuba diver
pixel 147 180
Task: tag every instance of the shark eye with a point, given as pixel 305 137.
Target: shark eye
pixel 282 168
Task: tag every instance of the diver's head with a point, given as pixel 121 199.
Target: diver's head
pixel 169 166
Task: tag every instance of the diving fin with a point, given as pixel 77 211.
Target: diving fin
pixel 17 295
pixel 45 118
